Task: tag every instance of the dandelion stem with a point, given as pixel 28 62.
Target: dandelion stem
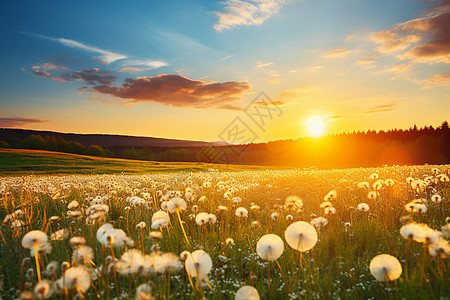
pixel 38 269
pixel 182 228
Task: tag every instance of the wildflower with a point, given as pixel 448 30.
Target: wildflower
pixel 389 182
pixel 441 249
pixel 60 235
pixel 436 198
pixel 247 292
pixel 54 219
pixel 325 204
pixel 43 289
pixel 74 214
pixel 241 212
pixel 385 267
pixel 329 210
pixel 206 184
pixel 229 241
pixel 301 236
pixel 160 219
pixel 319 222
pixel 222 208
pixel 198 264
pixel 372 195
pixel 156 235
pixel 133 261
pixel 212 218
pixel 82 255
pixel 362 185
pixel 34 238
pixel 140 225
pixel 275 216
pixel 289 217
pixel 184 255
pixel 255 207
pixel 144 292
pixel 236 200
pixel 78 278
pixel 363 207
pixel 446 230
pixel 73 205
pixel 377 185
pixel 332 195
pixel 77 241
pixel 102 229
pixel 413 231
pixel 176 205
pixel 374 176
pixel 167 263
pixel 270 247
pixel 201 218
pixel 414 207
pixel 443 178
pixel 52 268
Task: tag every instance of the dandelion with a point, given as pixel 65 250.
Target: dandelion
pixel 443 178
pixel 60 235
pixel 241 212
pixel 167 263
pixel 329 210
pixel 222 208
pixel 184 255
pixel 247 292
pixel 144 292
pixel 82 255
pixel 389 182
pixel 446 230
pixel 413 231
pixel 270 247
pixel 436 198
pixel 140 226
pixel 363 207
pixel 156 235
pixel 201 218
pixel 255 207
pixel 54 219
pixel 35 239
pixel 160 219
pixel 377 185
pixel 374 176
pixel 332 195
pixel 198 264
pixel 77 278
pixel 229 241
pixel 372 195
pixel 319 222
pixel 73 205
pixel 301 236
pixel 43 289
pixel 275 216
pixel 289 218
pixel 77 241
pixel 441 249
pixel 385 267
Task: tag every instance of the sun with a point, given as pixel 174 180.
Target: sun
pixel 316 126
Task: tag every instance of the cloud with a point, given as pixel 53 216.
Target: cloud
pixel 294 94
pixel 272 80
pixel 337 53
pixel 381 108
pixel 178 91
pixel 399 68
pixel 49 66
pixel 108 102
pixel 261 64
pixel 438 79
pixel 131 70
pixel 41 74
pixel 271 102
pixel 148 63
pixel 423 40
pixel 245 12
pixel 105 57
pixel 18 121
pixel 90 76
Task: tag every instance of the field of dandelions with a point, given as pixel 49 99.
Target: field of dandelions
pixel 286 234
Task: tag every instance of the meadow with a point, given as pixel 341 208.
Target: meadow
pixel 248 234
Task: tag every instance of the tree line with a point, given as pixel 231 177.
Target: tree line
pixel 357 149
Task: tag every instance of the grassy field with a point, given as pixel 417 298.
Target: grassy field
pixel 196 235
pixel 22 162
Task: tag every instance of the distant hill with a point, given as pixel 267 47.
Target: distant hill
pixel 104 140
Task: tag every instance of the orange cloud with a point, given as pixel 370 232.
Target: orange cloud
pixel 131 70
pixel 178 91
pixel 438 79
pixel 294 93
pixel 421 40
pixel 18 121
pixel 272 80
pixel 337 53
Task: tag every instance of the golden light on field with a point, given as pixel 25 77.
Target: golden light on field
pixel 316 126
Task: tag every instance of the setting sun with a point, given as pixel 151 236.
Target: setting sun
pixel 316 126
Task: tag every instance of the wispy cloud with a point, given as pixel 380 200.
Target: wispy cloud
pixel 381 108
pixel 272 80
pixel 18 121
pixel 294 94
pixel 261 64
pixel 337 53
pixel 245 12
pixel 90 76
pixel 105 56
pixel 438 80
pixel 131 69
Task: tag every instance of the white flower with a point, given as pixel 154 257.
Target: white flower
pixel 198 263
pixel 270 247
pixel 301 236
pixel 247 293
pixel 34 238
pixel 363 207
pixel 78 278
pixel 385 267
pixel 241 212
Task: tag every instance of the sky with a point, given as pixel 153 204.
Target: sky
pixel 195 69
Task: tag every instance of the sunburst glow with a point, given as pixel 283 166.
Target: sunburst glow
pixel 316 126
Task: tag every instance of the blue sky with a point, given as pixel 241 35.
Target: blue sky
pixel 194 65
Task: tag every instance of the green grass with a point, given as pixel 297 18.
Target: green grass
pixel 23 162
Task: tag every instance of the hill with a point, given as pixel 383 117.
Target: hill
pixel 23 162
pixel 104 140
